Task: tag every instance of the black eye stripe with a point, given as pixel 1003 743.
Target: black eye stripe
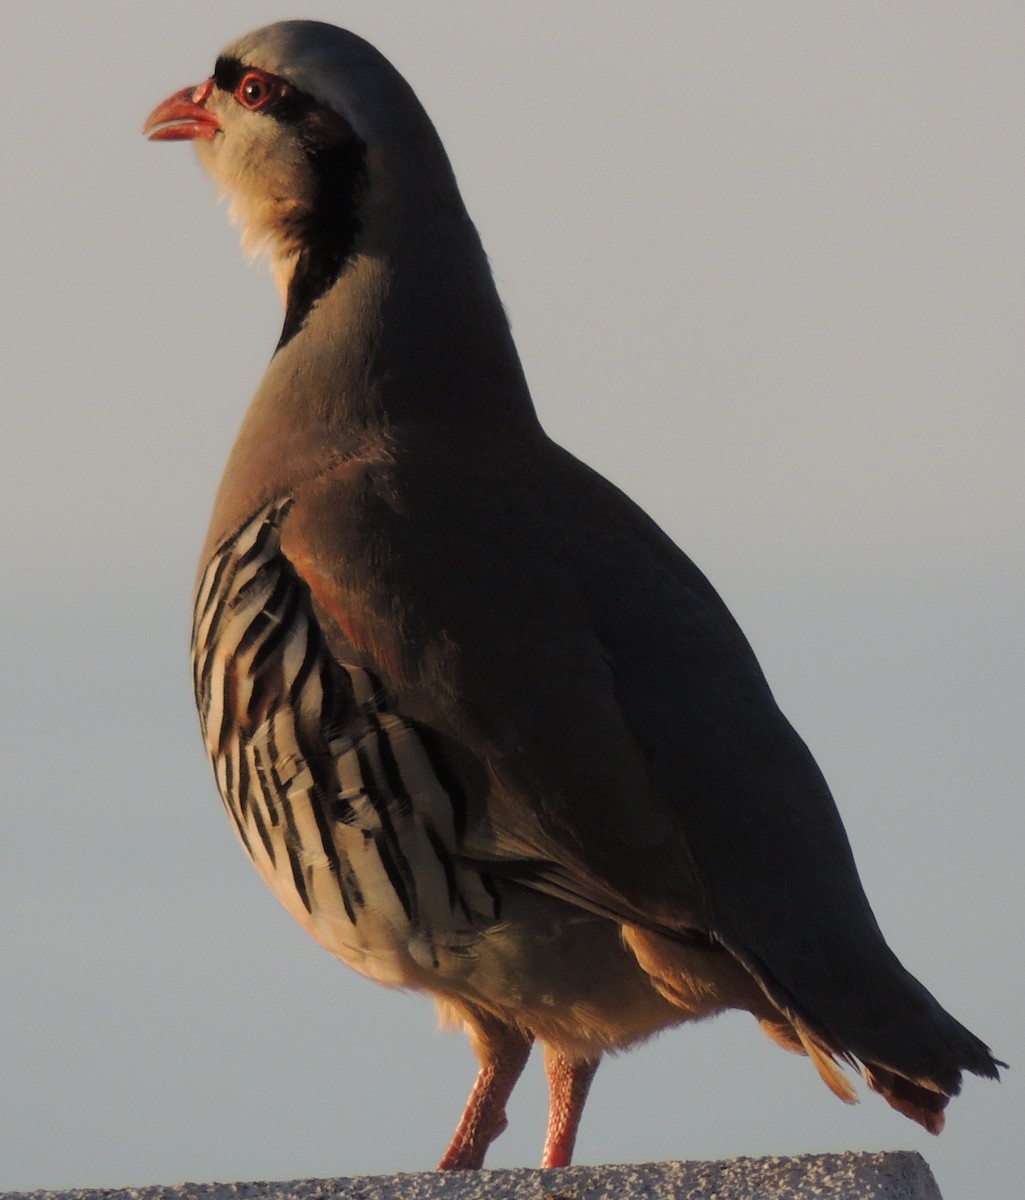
pixel 291 107
pixel 228 73
pixel 337 157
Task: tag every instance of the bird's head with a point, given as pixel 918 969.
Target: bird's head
pixel 334 170
pixel 304 127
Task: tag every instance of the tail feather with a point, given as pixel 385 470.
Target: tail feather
pixel 824 1061
pixel 920 1102
pixel 913 1100
pixel 909 1049
pixel 872 1017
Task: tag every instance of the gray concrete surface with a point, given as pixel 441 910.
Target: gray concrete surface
pixel 892 1175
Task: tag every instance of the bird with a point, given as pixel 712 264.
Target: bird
pixel 482 727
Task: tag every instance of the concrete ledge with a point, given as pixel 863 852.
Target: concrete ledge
pixel 893 1175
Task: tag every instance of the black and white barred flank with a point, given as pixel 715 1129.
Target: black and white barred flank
pixel 336 799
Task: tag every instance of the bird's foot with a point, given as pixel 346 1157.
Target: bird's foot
pixel 484 1117
pixel 568 1085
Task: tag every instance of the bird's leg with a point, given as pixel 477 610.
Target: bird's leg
pixel 503 1053
pixel 568 1085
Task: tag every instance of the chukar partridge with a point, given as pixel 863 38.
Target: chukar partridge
pixel 480 725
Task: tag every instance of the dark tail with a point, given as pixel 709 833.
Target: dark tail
pixel 909 1049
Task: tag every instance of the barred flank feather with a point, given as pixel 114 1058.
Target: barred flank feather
pixel 333 796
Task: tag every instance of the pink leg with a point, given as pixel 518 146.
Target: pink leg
pixel 503 1053
pixel 568 1085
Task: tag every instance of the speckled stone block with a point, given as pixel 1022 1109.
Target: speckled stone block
pixel 892 1175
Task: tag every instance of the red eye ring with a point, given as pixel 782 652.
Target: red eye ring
pixel 257 89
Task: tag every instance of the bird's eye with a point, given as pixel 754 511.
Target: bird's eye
pixel 255 90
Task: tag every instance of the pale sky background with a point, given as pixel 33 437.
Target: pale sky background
pixel 764 262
